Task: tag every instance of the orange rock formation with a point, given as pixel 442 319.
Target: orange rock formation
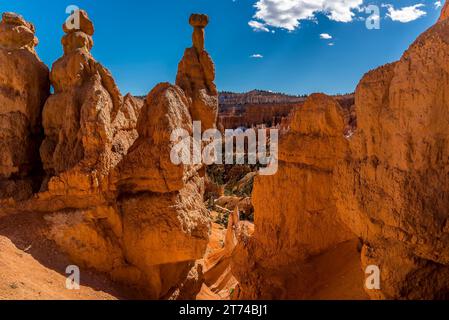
pixel 196 75
pixel 385 184
pixel 111 199
pixel 104 193
pixel 300 218
pixel 392 187
pixel 23 92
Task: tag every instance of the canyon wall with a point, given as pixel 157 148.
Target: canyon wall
pixel 108 195
pixel 256 108
pixel 392 186
pixel 295 212
pixel 384 183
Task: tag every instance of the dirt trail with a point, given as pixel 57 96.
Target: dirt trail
pixel 32 267
pixel 22 277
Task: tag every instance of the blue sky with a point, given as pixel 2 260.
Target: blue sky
pixel 142 41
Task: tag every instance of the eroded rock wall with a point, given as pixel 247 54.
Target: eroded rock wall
pixel 24 87
pixel 392 187
pixel 295 211
pixel 112 200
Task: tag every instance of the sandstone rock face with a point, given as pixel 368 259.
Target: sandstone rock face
pixel 165 223
pixel 166 109
pixel 112 200
pixel 393 186
pixel 300 218
pixel 151 224
pixel 23 91
pixel 196 75
pixel 83 118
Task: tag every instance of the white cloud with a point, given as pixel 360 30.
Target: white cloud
pixel 256 56
pixel 325 36
pixel 438 4
pixel 258 26
pixel 287 14
pixel 405 14
pixel 331 44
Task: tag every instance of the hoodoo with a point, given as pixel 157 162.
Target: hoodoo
pixel 196 75
pixel 89 181
pixel 23 91
pixel 111 199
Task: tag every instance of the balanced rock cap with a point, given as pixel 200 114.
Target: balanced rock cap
pixel 199 20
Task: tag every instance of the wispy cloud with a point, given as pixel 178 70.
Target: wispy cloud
pixel 325 36
pixel 258 26
pixel 405 14
pixel 256 56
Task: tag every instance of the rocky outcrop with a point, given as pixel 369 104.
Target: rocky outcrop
pixel 166 109
pixel 196 75
pixel 23 91
pixel 165 223
pixel 393 185
pixel 87 126
pixel 112 200
pixel 300 219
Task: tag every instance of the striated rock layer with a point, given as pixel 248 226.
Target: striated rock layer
pixel 300 218
pixel 112 200
pixel 257 108
pixel 393 185
pixel 23 91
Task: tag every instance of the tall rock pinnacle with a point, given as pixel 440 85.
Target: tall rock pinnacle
pixel 196 75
